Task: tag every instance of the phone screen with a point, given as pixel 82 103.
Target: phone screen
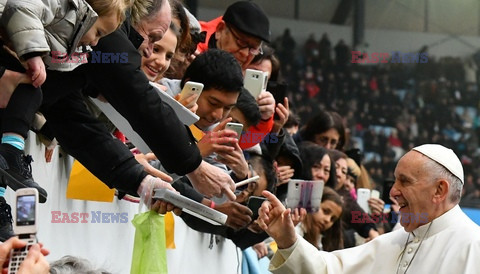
pixel 254 203
pixel 278 90
pixel 25 210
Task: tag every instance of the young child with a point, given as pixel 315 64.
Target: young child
pixel 44 34
pixel 323 228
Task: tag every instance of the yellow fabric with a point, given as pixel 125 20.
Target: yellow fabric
pixel 273 246
pixel 170 230
pixel 83 185
pixel 196 132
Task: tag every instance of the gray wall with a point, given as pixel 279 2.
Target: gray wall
pixel 444 16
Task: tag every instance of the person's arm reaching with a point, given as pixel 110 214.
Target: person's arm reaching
pixel 294 255
pixel 212 181
pixel 127 89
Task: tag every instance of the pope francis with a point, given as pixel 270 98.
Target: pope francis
pixel 428 182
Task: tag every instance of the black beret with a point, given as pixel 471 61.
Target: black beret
pixel 249 18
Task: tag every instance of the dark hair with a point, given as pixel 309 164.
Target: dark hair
pixel 178 11
pixel 333 237
pixel 312 154
pixel 336 154
pixel 247 104
pixel 216 69
pixel 293 120
pixel 269 54
pixel 323 122
pixel 264 165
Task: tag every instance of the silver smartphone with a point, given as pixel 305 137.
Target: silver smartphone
pixel 255 81
pixel 25 211
pixel 237 127
pixel 304 194
pixel 25 224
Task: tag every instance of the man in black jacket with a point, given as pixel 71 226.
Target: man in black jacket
pixel 127 89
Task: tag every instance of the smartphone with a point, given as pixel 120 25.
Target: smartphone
pixel 237 127
pixel 387 186
pixel 25 224
pixel 279 92
pixel 191 88
pixel 25 211
pixel 254 203
pixel 375 194
pixel 255 81
pixel 363 194
pixel 304 194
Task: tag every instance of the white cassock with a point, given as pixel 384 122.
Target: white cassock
pixel 450 244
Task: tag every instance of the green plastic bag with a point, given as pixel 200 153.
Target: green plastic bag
pixel 149 250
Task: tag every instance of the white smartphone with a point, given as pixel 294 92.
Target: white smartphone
pixel 375 194
pixel 255 81
pixel 25 225
pixel 363 194
pixel 191 88
pixel 305 194
pixel 237 127
pixel 25 211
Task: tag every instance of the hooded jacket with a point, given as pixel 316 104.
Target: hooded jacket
pixel 39 27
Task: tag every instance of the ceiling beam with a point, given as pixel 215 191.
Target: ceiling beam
pixel 342 12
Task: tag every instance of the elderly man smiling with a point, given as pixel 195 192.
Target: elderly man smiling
pixel 428 180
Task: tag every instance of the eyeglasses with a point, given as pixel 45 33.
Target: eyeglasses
pixel 243 45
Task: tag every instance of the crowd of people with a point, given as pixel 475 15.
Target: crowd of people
pixel 389 107
pixel 319 119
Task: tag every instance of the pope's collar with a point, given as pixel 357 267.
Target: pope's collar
pixel 438 224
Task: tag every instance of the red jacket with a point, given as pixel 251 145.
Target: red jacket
pixel 210 27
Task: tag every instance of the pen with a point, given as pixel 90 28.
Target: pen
pixel 246 181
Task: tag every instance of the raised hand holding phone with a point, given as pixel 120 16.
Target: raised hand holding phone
pixel 34 262
pixel 25 222
pixel 235 159
pixel 190 89
pixel 282 111
pixel 237 127
pixel 216 140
